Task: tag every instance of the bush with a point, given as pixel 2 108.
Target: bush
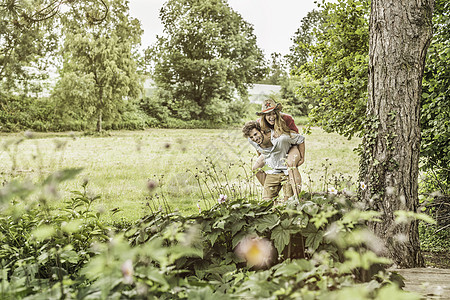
pixel 18 113
pixel 320 245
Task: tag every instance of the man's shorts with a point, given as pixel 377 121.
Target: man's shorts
pixel 273 184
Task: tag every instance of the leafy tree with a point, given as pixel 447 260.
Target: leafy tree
pixel 305 37
pixel 99 69
pixel 332 58
pixel 206 55
pixel 435 111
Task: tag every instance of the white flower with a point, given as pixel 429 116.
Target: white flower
pixel 332 191
pixel 127 271
pixel 199 208
pixel 222 198
pixel 362 185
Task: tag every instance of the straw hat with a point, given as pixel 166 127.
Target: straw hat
pixel 267 106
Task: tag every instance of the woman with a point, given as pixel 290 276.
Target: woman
pixel 280 123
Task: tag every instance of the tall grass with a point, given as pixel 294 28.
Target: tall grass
pixel 181 164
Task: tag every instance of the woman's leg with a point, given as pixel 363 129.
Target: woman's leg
pixel 260 175
pixel 293 159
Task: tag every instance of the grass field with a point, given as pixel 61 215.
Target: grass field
pixel 119 165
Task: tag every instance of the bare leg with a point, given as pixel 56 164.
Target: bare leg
pixel 295 178
pixel 260 175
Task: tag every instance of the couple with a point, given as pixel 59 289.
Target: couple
pixel 275 137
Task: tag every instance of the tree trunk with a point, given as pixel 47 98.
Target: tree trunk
pixel 99 122
pixel 400 32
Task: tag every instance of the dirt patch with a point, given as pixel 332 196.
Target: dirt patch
pixel 437 259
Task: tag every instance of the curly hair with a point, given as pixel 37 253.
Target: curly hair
pixel 280 125
pixel 249 126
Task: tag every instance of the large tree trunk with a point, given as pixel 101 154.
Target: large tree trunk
pixel 400 32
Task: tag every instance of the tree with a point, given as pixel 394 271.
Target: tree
pixel 207 54
pixel 400 33
pixel 99 69
pixel 333 61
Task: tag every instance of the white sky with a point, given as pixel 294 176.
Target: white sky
pixel 274 21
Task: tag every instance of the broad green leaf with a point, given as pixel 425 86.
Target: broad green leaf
pixel 266 222
pixel 313 240
pixel 281 238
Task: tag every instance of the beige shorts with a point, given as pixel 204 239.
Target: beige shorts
pixel 273 184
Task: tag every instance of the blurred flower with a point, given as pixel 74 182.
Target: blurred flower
pixel 222 198
pixel 362 185
pixel 199 208
pixel 256 251
pixel 127 271
pixel 151 185
pixel 332 191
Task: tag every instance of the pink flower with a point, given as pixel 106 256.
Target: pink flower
pixel 222 198
pixel 127 271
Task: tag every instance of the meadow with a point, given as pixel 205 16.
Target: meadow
pixel 119 164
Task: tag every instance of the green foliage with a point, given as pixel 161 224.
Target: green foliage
pixel 21 113
pixel 71 254
pixel 24 43
pixel 39 246
pixel 434 238
pixel 336 75
pixel 304 37
pixel 435 112
pixel 207 54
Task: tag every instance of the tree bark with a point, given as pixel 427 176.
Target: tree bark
pixel 400 32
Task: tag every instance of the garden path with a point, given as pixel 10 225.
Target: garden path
pixel 432 283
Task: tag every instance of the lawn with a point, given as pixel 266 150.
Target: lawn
pixel 118 165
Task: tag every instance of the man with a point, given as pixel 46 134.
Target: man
pixel 274 151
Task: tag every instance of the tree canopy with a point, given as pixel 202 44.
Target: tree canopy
pixel 206 56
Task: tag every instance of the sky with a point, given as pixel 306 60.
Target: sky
pixel 275 21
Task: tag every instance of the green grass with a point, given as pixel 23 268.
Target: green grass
pixel 118 165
